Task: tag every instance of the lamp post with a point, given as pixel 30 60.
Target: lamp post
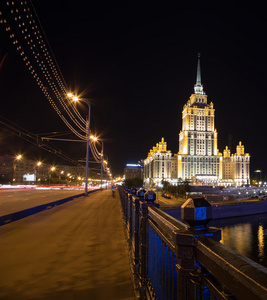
pixel 38 164
pixel 94 138
pixel 59 176
pixel 102 156
pixel 50 173
pixel 76 99
pixel 17 158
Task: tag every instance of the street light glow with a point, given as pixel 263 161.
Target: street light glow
pixel 75 98
pixel 94 138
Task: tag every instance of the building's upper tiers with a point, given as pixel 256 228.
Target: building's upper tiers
pixel 240 151
pixel 161 147
pixel 199 101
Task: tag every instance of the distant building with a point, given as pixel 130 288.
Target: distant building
pixel 198 160
pixel 6 169
pixel 133 171
pixel 24 171
pixel 240 166
pixel 159 165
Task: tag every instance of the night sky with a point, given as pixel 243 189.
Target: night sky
pixel 137 65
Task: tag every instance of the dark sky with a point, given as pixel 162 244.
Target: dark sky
pixel 137 63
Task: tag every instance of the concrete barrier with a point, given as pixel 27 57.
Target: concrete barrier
pixel 244 209
pixel 228 211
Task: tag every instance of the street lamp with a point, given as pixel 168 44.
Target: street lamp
pixel 76 99
pixel 17 158
pixel 94 138
pixel 51 170
pixel 38 164
pixel 102 156
pixel 105 162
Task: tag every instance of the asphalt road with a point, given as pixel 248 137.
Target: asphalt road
pixel 74 251
pixel 13 201
pixel 169 202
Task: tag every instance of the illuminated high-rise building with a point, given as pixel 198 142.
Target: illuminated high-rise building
pixel 198 156
pixel 198 160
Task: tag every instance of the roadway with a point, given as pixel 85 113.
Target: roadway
pixel 15 200
pixel 76 250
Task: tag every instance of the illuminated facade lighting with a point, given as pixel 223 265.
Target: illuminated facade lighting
pixel 198 159
pixel 159 165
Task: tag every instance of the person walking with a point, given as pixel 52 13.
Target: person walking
pixel 113 190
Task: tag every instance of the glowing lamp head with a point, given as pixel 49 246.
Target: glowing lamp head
pixel 70 95
pixel 75 98
pixel 94 138
pixel 18 157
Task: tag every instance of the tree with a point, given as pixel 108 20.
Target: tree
pixel 136 182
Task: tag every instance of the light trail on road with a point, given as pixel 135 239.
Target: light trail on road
pixel 13 201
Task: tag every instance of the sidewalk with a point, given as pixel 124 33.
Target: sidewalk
pixel 74 251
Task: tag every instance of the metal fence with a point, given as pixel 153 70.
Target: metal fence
pixel 177 260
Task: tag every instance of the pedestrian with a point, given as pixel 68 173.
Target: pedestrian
pixel 113 190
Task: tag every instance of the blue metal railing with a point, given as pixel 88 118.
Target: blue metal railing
pixel 173 260
pixel 161 267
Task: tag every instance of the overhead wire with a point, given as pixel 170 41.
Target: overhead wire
pixel 34 139
pixel 29 38
pixel 34 42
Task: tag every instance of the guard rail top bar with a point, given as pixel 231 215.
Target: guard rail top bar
pixel 242 276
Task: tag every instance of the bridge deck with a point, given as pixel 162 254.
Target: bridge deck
pixel 74 251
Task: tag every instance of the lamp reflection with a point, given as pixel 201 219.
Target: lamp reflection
pixel 238 237
pixel 261 242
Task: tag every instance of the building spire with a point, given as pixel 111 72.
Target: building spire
pixel 198 87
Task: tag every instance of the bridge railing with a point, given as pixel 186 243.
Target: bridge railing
pixel 177 260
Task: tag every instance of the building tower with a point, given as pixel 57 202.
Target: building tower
pixel 198 158
pixel 240 166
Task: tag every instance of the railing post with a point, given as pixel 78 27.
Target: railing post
pixel 139 197
pixel 185 266
pixel 127 207
pixel 137 234
pixel 149 198
pixel 196 213
pixel 124 202
pixel 130 199
pixel 143 248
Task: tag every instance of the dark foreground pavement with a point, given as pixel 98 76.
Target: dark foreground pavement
pixel 74 251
